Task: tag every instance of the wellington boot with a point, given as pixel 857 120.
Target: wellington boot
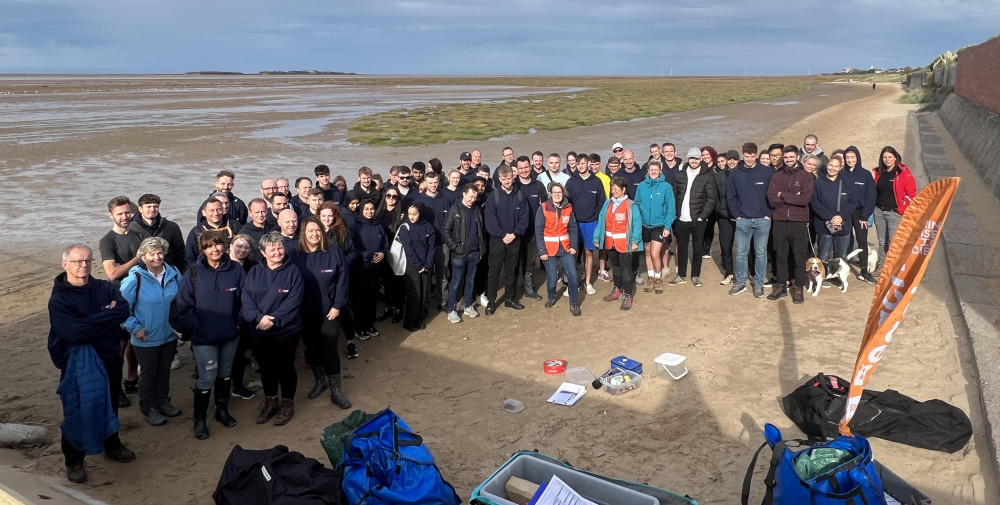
pixel 320 375
pixel 337 394
pixel 201 398
pixel 223 387
pixel 285 412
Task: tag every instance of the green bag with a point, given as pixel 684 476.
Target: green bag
pixel 333 436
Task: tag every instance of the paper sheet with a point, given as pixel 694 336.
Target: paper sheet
pixel 558 493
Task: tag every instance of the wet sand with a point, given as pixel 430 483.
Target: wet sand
pixel 693 436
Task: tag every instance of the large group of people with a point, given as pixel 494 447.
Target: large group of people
pixel 305 262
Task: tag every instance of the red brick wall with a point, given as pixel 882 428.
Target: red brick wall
pixel 978 74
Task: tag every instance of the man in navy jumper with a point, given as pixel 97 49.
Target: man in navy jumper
pixel 436 207
pixel 506 219
pixel 746 194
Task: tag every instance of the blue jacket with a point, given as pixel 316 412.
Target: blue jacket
pixel 746 192
pixel 863 183
pixel 634 225
pixel 83 315
pixel 655 199
pixel 418 244
pixel 277 293
pixel 826 194
pixel 369 238
pixel 210 306
pixel 88 417
pixel 435 211
pixel 506 213
pixel 151 308
pixel 587 196
pixel 324 274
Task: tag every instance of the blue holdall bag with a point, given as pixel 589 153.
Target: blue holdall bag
pixel 836 472
pixel 386 463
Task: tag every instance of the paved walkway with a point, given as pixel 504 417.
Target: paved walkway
pixel 971 240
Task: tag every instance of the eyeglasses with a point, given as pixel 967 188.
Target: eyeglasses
pixel 80 263
pixel 269 188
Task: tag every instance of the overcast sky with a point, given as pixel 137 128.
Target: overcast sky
pixel 642 37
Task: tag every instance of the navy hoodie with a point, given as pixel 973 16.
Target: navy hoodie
pixel 826 194
pixel 863 183
pixel 634 179
pixel 746 192
pixel 83 315
pixel 418 244
pixel 324 274
pixel 277 293
pixel 506 213
pixel 587 196
pixel 191 251
pixel 211 310
pixel 435 211
pixel 369 238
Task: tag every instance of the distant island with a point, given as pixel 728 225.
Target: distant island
pixel 271 72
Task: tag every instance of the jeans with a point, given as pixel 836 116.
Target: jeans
pixel 552 275
pixel 886 222
pixel 154 379
pixel 759 229
pixel 214 361
pixel 835 244
pixel 463 272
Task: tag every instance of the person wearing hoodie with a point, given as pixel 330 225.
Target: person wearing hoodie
pixel 87 312
pixel 746 194
pixel 150 287
pixel 417 237
pixel 895 188
pixel 655 200
pixel 863 185
pixel 619 232
pixel 213 217
pixel 208 305
pixel 833 202
pixel 372 247
pixel 586 192
pixel 325 277
pixel 390 213
pixel 556 237
pixel 505 216
pixel 271 301
pixel 727 224
pixel 810 145
pixel 789 193
pixel 694 197
pixel 338 234
pixel 437 203
pixel 239 253
pixel 715 162
pixel 366 187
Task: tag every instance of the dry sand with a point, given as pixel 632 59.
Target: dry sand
pixel 693 436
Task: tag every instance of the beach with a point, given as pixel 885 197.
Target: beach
pixel 76 149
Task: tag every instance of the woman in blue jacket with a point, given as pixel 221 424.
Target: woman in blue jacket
pixel 372 247
pixel 417 238
pixel 149 288
pixel 619 232
pixel 208 304
pixel 324 274
pixel 271 300
pixel 833 201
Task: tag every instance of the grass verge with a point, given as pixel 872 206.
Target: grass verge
pixel 605 100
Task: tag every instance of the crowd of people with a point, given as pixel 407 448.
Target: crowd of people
pixel 315 259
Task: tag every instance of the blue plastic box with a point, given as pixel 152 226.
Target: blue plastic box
pixel 627 363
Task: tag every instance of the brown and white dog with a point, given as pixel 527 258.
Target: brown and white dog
pixel 837 268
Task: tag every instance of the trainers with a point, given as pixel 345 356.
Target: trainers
pixel 243 392
pixel 738 287
pixel 76 474
pixel 867 277
pixel 352 350
pixel 120 454
pixel 575 310
pixel 696 281
pixel 372 332
pixel 825 284
pixel 169 410
pixel 638 280
pixel 616 294
pixel 604 275
pixel 727 280
pixel 130 386
pixel 778 291
pixel 471 311
pixel 363 335
pixel 123 401
pixel 176 363
pixel 154 417
pixel 770 282
pixel 677 280
pixel 758 291
pixel 591 290
pixel 550 302
pixel 626 302
pixel 706 256
pixel 454 317
pixel 797 295
pixel 483 301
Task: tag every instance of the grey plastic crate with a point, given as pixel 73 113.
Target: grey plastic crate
pixel 538 471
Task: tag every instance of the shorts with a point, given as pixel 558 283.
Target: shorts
pixel 654 234
pixel 587 235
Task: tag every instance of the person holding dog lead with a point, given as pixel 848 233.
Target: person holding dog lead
pixel 833 204
pixel 789 193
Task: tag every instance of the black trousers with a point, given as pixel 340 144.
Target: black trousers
pixel 861 235
pixel 154 374
pixel 791 239
pixel 392 287
pixel 727 235
pixel 528 259
pixel 710 233
pixel 277 365
pixel 240 358
pixel 418 291
pixel 320 336
pixel 622 274
pixel 503 260
pixel 113 367
pixel 364 297
pixel 693 233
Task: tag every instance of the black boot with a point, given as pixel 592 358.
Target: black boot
pixel 223 387
pixel 201 397
pixel 336 394
pixel 320 375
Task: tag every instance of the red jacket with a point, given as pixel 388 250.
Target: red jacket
pixel 904 187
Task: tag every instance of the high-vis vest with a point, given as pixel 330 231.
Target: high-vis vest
pixel 556 229
pixel 616 227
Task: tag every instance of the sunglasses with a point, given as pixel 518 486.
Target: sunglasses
pixel 618 150
pixel 390 195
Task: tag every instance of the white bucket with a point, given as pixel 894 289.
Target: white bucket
pixel 670 366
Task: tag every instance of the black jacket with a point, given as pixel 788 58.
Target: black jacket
pixel 455 231
pixel 703 193
pixel 721 205
pixel 167 230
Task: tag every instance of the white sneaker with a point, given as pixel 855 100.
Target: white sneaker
pixel 706 256
pixel 471 312
pixel 591 290
pixel 176 363
pixel 638 279
pixel 454 317
pixel 727 280
pixel 482 302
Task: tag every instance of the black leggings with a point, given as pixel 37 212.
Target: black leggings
pixel 621 270
pixel 277 365
pixel 364 296
pixel 240 358
pixel 320 336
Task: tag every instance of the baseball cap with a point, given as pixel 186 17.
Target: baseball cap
pixel 732 155
pixel 694 152
pixel 465 156
pixel 617 145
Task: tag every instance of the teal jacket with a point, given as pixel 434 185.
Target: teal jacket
pixel 634 225
pixel 655 198
pixel 152 308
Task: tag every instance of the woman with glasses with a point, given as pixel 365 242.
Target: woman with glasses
pixel 240 253
pixel 390 215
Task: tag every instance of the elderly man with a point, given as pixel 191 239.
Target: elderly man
pixel 85 317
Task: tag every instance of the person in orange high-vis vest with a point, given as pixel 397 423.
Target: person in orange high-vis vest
pixel 556 234
pixel 619 231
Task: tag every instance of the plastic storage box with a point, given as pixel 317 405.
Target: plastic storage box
pixel 670 366
pixel 614 387
pixel 537 470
